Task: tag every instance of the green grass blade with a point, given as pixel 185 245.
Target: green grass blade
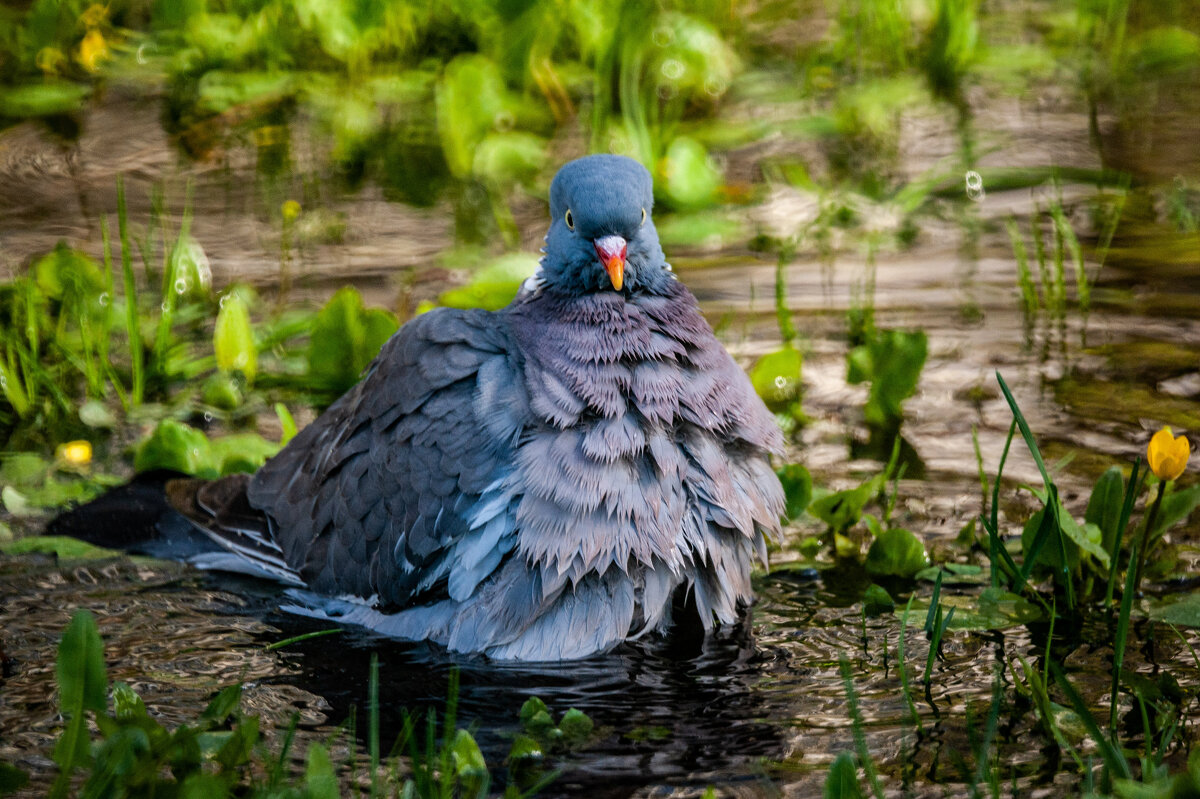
pixel 1121 637
pixel 1026 433
pixel 1114 759
pixel 1132 489
pixel 137 391
pixel 860 740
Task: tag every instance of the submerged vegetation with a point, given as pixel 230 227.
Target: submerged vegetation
pixel 820 138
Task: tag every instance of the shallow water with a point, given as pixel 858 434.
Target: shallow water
pixel 757 710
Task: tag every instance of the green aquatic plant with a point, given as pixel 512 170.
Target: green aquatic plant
pixel 891 361
pixel 222 752
pixel 1082 559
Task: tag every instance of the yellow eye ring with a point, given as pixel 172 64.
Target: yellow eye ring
pixel 570 220
pixel 643 216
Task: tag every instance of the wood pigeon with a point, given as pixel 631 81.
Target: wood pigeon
pixel 537 483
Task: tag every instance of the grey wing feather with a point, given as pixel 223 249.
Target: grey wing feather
pixel 373 498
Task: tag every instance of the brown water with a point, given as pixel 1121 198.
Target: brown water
pixel 758 710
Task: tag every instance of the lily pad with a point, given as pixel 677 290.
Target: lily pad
pixel 1183 611
pixel 991 609
pixel 896 553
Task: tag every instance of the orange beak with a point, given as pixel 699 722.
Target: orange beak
pixel 611 250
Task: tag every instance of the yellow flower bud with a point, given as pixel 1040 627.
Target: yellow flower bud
pixel 1167 455
pixel 291 210
pixel 92 50
pixel 75 453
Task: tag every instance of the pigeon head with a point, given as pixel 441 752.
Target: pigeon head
pixel 602 237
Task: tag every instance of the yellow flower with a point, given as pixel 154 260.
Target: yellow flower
pixel 291 210
pixel 92 50
pixel 1167 455
pixel 75 453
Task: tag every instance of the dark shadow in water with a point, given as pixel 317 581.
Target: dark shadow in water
pixel 671 709
pixel 878 447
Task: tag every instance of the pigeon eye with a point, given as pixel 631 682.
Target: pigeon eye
pixel 570 220
pixel 643 216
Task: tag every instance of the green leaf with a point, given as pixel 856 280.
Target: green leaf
pixel 471 99
pixel 532 707
pixel 233 338
pixel 222 706
pixel 469 766
pixel 690 179
pixel 509 158
pixel 63 547
pixel 190 267
pixel 797 489
pixel 891 362
pixel 42 99
pixel 1176 507
pixel 991 609
pixel 345 338
pixel 896 553
pixel 95 413
pixel 82 685
pixel 287 425
pixel 877 601
pixel 69 275
pixel 842 780
pixel 320 780
pixel 525 748
pixel 494 286
pixel 174 445
pixel 1104 507
pixel 776 378
pixel 241 452
pixel 1182 611
pixel 843 509
pixel 576 727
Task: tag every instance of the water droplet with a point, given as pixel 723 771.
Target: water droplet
pixel 165 306
pixel 781 382
pixel 104 299
pixel 714 87
pixel 224 299
pixel 141 54
pixel 3 381
pixel 208 417
pixel 673 69
pixel 180 286
pixel 974 186
pixel 195 452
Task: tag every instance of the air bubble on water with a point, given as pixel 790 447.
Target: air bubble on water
pixel 974 185
pixel 180 285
